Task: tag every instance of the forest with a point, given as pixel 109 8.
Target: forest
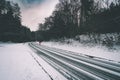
pixel 69 19
pixel 11 28
pixel 81 17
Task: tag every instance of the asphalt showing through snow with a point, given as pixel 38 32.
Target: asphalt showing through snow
pixel 78 67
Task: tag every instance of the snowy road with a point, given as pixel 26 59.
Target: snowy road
pixel 78 67
pixel 19 62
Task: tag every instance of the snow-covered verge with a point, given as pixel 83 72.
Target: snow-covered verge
pixel 17 62
pixel 91 50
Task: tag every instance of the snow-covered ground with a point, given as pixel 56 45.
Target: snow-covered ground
pixel 92 50
pixel 19 62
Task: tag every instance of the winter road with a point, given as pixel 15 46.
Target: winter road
pixel 78 67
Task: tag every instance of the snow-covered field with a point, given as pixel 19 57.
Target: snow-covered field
pixel 19 62
pixel 91 50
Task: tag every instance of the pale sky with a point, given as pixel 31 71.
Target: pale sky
pixel 34 12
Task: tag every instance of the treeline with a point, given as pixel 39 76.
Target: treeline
pixel 10 23
pixel 106 21
pixel 75 17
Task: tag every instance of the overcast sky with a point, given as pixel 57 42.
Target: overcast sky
pixel 34 11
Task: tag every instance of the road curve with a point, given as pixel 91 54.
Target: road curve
pixel 78 67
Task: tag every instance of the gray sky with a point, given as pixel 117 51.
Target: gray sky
pixel 34 11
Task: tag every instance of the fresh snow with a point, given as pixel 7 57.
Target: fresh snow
pixel 91 50
pixel 19 62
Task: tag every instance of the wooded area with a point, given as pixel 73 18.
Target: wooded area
pixel 69 19
pixel 76 17
pixel 10 23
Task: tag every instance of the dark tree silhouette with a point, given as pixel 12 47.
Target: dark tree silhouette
pixel 10 23
pixel 74 17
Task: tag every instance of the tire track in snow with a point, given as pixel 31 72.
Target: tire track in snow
pixel 92 68
pixel 41 66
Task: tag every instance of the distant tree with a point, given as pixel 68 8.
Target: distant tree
pixel 26 34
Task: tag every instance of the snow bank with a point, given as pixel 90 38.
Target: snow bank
pixel 17 64
pixel 92 50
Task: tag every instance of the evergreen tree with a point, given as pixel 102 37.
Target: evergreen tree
pixel 72 17
pixel 10 23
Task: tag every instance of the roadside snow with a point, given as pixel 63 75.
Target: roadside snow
pixel 16 63
pixel 91 50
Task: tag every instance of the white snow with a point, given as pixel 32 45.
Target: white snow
pixel 91 50
pixel 17 63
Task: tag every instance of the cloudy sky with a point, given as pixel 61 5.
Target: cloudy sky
pixel 34 11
